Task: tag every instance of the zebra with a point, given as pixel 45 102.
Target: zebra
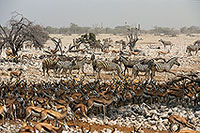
pixel 50 63
pixel 191 48
pixel 127 63
pixel 144 67
pixel 77 65
pixel 165 43
pixel 166 66
pixel 65 66
pixel 99 65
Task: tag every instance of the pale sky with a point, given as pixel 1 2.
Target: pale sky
pixel 109 13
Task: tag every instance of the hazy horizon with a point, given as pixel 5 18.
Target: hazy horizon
pixel 106 13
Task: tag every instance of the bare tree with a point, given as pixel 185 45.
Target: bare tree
pixel 58 43
pixel 133 37
pixel 19 31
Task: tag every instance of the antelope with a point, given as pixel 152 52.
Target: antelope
pixel 53 115
pixel 181 120
pixel 187 131
pixel 100 102
pixel 53 51
pixel 33 110
pixel 133 53
pixel 12 108
pixel 9 53
pixel 178 94
pixel 3 111
pixel 162 53
pixel 45 127
pixel 16 74
pixel 27 129
pixel 81 109
pixel 165 43
pixel 115 51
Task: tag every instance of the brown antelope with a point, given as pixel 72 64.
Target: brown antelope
pixel 59 108
pixel 34 111
pixel 178 94
pixel 115 51
pixel 106 51
pixel 181 120
pixel 9 53
pixel 100 102
pixel 187 131
pixel 53 115
pixel 163 53
pixel 27 129
pixel 133 53
pixel 3 111
pixel 12 108
pixel 81 109
pixel 165 43
pixel 45 127
pixel 16 74
pixel 53 51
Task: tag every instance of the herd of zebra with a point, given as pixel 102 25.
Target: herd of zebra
pixel 149 67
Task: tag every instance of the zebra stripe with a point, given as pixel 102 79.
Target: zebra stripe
pixel 49 63
pixel 162 66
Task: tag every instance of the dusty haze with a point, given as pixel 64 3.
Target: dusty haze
pixel 106 13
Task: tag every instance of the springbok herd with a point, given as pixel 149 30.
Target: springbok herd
pixel 103 89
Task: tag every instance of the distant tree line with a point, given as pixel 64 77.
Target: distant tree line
pixel 75 29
